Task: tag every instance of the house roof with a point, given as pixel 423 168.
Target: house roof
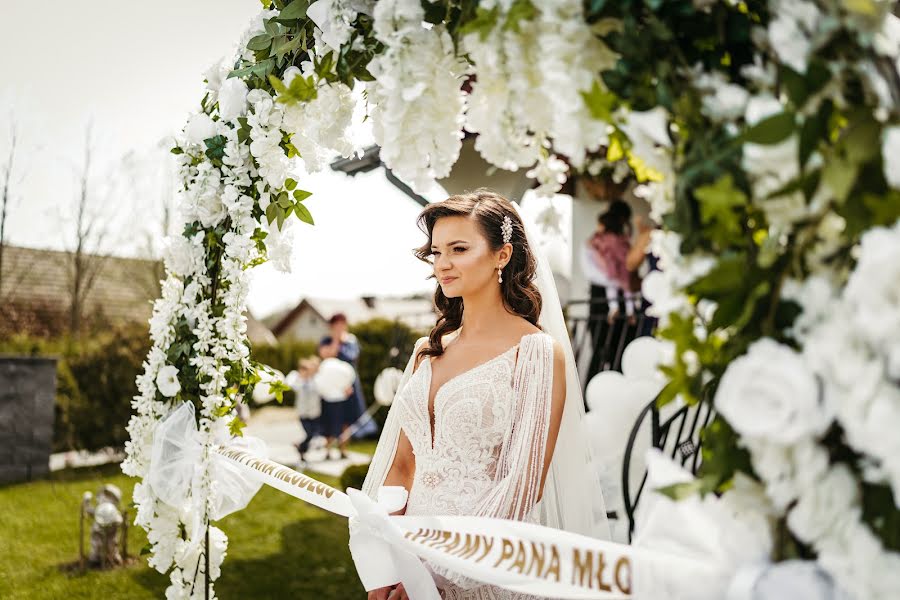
pixel 416 312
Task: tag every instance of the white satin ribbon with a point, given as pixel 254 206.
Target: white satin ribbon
pixel 523 557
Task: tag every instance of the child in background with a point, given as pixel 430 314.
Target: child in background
pixel 308 403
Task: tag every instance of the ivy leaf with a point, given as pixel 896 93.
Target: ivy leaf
pixel 215 146
pixel 236 427
pixel 600 102
pixel 301 89
pixel 294 10
pixel 303 213
pixel 717 203
pixel 771 130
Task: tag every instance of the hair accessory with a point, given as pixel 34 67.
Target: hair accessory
pixel 506 229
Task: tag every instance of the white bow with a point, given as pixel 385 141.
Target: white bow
pixel 175 457
pixel 376 546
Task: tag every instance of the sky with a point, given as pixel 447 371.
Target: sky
pixel 134 71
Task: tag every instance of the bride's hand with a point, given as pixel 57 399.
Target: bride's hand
pixel 398 593
pixel 380 593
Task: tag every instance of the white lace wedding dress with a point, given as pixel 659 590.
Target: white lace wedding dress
pixel 485 453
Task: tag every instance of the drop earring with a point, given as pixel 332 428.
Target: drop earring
pixel 500 274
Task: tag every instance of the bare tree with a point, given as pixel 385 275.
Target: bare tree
pixel 7 177
pixel 90 230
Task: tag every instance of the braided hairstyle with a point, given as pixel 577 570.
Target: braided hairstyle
pixel 518 291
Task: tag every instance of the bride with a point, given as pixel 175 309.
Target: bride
pixel 488 418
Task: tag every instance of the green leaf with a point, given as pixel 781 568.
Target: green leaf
pixel 176 150
pixel 726 276
pixel 600 102
pixel 146 549
pixel 839 175
pixel 272 28
pixel 301 89
pixel 290 184
pixel 680 491
pixel 294 10
pixel 303 213
pixel 771 130
pixel 260 42
pixel 813 131
pixel 717 203
pixel 215 146
pixel 301 195
pixel 271 212
pixel 283 201
pixel 520 10
pixel 484 22
pixel 236 427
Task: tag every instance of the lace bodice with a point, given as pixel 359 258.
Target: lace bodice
pixel 460 467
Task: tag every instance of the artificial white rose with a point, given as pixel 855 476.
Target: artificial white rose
pixel 890 155
pixel 786 470
pixel 873 288
pixel 233 99
pixel 769 393
pixel 167 381
pixel 824 505
pixel 199 127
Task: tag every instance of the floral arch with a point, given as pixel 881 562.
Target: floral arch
pixel 765 135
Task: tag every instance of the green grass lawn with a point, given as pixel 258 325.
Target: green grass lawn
pixel 278 547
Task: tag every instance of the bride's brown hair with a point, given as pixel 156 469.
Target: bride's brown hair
pixel 518 291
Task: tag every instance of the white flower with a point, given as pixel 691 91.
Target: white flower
pixel 550 173
pixel 418 112
pixel 167 381
pixel 770 166
pixel 873 290
pixel 824 505
pixel 787 470
pixel 722 101
pixel 769 393
pixel 890 155
pixel 335 18
pixel 815 295
pixel 233 99
pixel 279 245
pixel 199 127
pixel 790 32
pixel 182 257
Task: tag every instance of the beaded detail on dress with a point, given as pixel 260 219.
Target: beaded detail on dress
pixel 478 419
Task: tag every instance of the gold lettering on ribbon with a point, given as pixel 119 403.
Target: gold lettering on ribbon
pixel 537 560
pixel 507 550
pixel 521 559
pixel 470 546
pixel 623 563
pixel 488 546
pixel 273 469
pixel 553 569
pixel 581 569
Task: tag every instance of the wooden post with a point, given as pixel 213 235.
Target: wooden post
pixel 206 560
pixel 81 536
pixel 124 537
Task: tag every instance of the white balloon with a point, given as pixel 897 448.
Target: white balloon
pixel 261 393
pixel 386 385
pixel 333 378
pixel 603 387
pixel 641 358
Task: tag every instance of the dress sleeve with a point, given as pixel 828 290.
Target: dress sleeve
pixel 521 463
pixel 387 442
